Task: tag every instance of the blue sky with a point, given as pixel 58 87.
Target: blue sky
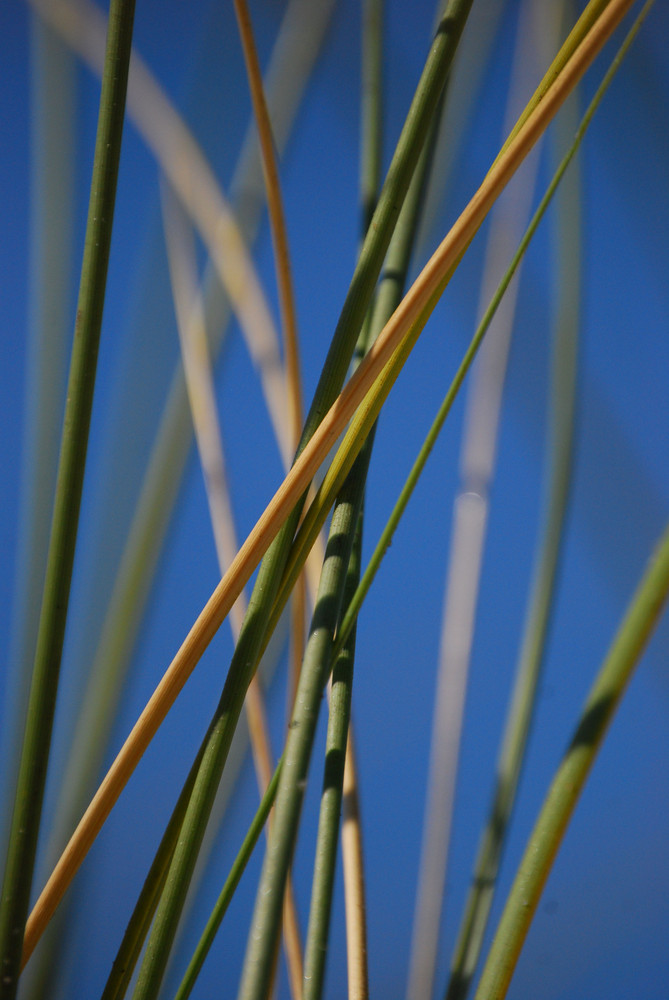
pixel 601 926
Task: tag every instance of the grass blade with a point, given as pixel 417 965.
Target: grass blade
pixel 69 484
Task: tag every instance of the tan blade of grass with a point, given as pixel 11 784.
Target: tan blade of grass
pixel 537 38
pixel 286 301
pixel 354 880
pixel 421 295
pixel 201 394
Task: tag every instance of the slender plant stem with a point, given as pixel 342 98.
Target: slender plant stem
pixel 288 319
pixel 388 296
pixel 42 699
pixel 395 342
pixel 138 926
pixel 265 926
pixel 247 652
pixel 371 119
pixel 371 143
pixel 354 881
pixel 536 40
pixel 628 645
pixel 227 892
pixel 331 796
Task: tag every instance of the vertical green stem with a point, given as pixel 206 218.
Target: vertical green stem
pixel 331 797
pixel 266 923
pixel 42 699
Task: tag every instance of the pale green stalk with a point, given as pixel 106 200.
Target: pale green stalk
pixel 635 630
pixel 561 422
pixel 72 460
pixel 252 636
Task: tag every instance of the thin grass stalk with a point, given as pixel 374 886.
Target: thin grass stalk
pixel 44 686
pixel 371 142
pixel 265 925
pixel 635 630
pixel 388 296
pixel 354 881
pixel 536 39
pixel 469 71
pixel 227 892
pixel 286 297
pixel 561 422
pixel 247 652
pixel 371 120
pixel 393 345
pixel 332 794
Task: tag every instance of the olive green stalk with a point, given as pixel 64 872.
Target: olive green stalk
pixel 227 892
pixel 252 635
pixel 69 484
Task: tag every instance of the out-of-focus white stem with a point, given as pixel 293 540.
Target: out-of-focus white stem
pixel 537 39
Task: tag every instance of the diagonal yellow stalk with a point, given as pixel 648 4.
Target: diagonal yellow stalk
pixel 399 334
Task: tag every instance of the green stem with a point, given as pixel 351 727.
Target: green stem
pixel 130 948
pixel 266 924
pixel 253 631
pixel 72 460
pixel 331 797
pixel 628 645
pixel 227 892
